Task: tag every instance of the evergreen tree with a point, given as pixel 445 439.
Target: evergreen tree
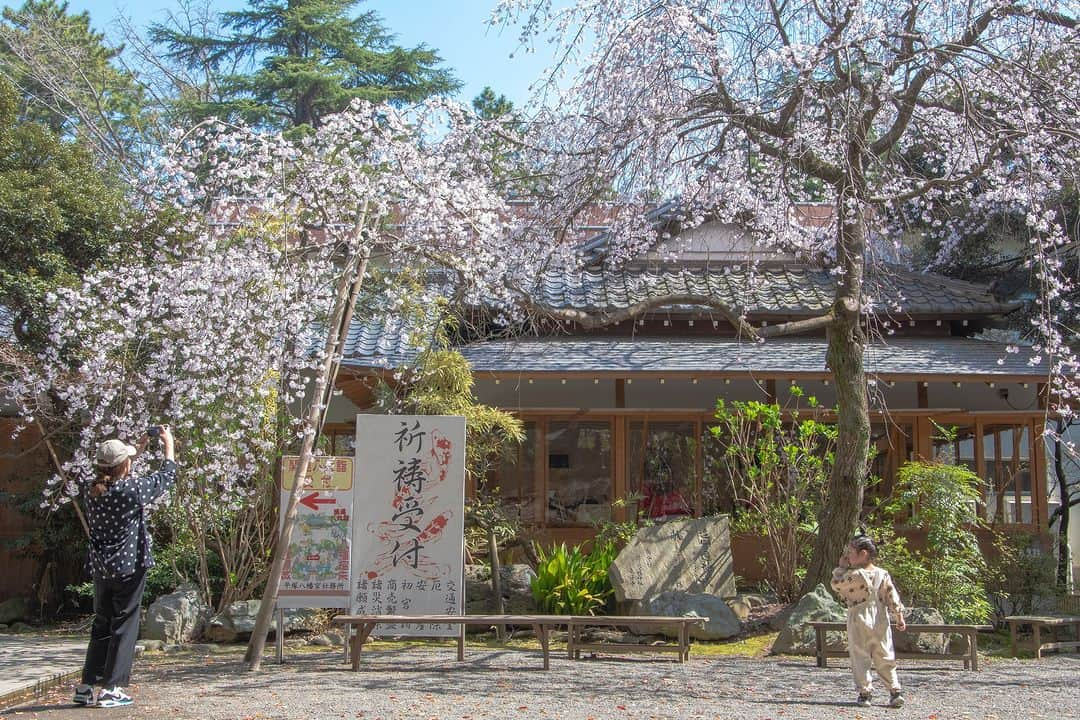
pixel 58 215
pixel 289 64
pixel 489 106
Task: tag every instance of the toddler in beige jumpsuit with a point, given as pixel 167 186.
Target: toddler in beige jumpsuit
pixel 870 596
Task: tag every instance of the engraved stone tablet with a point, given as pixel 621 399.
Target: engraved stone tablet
pixel 692 555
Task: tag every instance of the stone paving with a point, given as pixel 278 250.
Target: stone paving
pixel 29 661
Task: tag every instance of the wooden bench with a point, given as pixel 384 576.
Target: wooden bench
pixel 970 658
pixel 574 643
pixel 361 627
pixel 1038 623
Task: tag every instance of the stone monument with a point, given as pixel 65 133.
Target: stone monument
pixel 692 556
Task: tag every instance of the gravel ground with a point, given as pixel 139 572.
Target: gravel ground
pixel 427 682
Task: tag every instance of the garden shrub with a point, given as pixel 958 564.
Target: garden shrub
pixel 777 461
pixel 949 573
pixel 1022 575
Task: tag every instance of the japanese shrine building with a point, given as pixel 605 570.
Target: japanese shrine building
pixel 608 411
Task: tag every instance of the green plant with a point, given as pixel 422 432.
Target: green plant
pixel 939 501
pixel 777 462
pixel 177 562
pixel 1021 575
pixel 571 582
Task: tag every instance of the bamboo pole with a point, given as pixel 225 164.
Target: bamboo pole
pixel 344 298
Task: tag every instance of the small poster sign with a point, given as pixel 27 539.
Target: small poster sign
pixel 318 561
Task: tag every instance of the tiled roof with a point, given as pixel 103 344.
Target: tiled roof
pixel 932 356
pixel 789 290
pixel 783 289
pixel 385 342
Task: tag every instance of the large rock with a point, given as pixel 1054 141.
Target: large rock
pixel 920 642
pixel 237 621
pixel 723 622
pixel 691 556
pixel 516 590
pixel 13 610
pixel 178 617
pixel 798 638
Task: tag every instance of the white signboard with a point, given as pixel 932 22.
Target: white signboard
pixel 316 572
pixel 408 528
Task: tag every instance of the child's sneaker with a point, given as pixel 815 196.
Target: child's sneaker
pixel 896 700
pixel 113 698
pixel 84 695
pixel 863 700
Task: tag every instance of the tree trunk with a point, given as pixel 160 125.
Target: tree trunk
pixel 847 340
pixel 496 582
pixel 344 299
pixel 1063 522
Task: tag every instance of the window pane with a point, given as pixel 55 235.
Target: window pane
pixel 345 443
pixel 1007 453
pixel 667 482
pixel 516 477
pixel 579 472
pixel 717 496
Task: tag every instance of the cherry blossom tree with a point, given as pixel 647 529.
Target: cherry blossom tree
pixel 889 111
pixel 241 308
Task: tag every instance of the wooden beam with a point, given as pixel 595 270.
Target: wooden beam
pixel 923 393
pixel 589 375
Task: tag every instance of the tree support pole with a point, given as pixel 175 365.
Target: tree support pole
pixel 344 298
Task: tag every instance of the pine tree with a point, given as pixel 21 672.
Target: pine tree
pixel 289 64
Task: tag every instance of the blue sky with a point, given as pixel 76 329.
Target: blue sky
pixel 478 54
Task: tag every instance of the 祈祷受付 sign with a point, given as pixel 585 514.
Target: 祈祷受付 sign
pixel 316 572
pixel 408 526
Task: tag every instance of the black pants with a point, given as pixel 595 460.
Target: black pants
pixel 116 628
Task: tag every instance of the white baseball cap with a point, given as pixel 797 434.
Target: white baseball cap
pixel 113 452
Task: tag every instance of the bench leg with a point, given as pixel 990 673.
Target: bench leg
pixel 357 643
pixel 570 640
pixel 461 643
pixel 541 631
pixel 1012 637
pixel 684 642
pixel 819 647
pixel 1038 640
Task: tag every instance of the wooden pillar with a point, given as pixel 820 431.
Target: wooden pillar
pixel 770 391
pixel 620 393
pixel 980 465
pixel 924 445
pixel 699 468
pixel 618 481
pixel 923 394
pixel 540 471
pixel 1040 511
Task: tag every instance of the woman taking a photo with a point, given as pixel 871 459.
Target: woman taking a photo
pixel 119 556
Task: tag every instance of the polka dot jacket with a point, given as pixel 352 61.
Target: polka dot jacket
pixel 119 538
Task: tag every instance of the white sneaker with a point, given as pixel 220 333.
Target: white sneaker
pixel 84 695
pixel 113 698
